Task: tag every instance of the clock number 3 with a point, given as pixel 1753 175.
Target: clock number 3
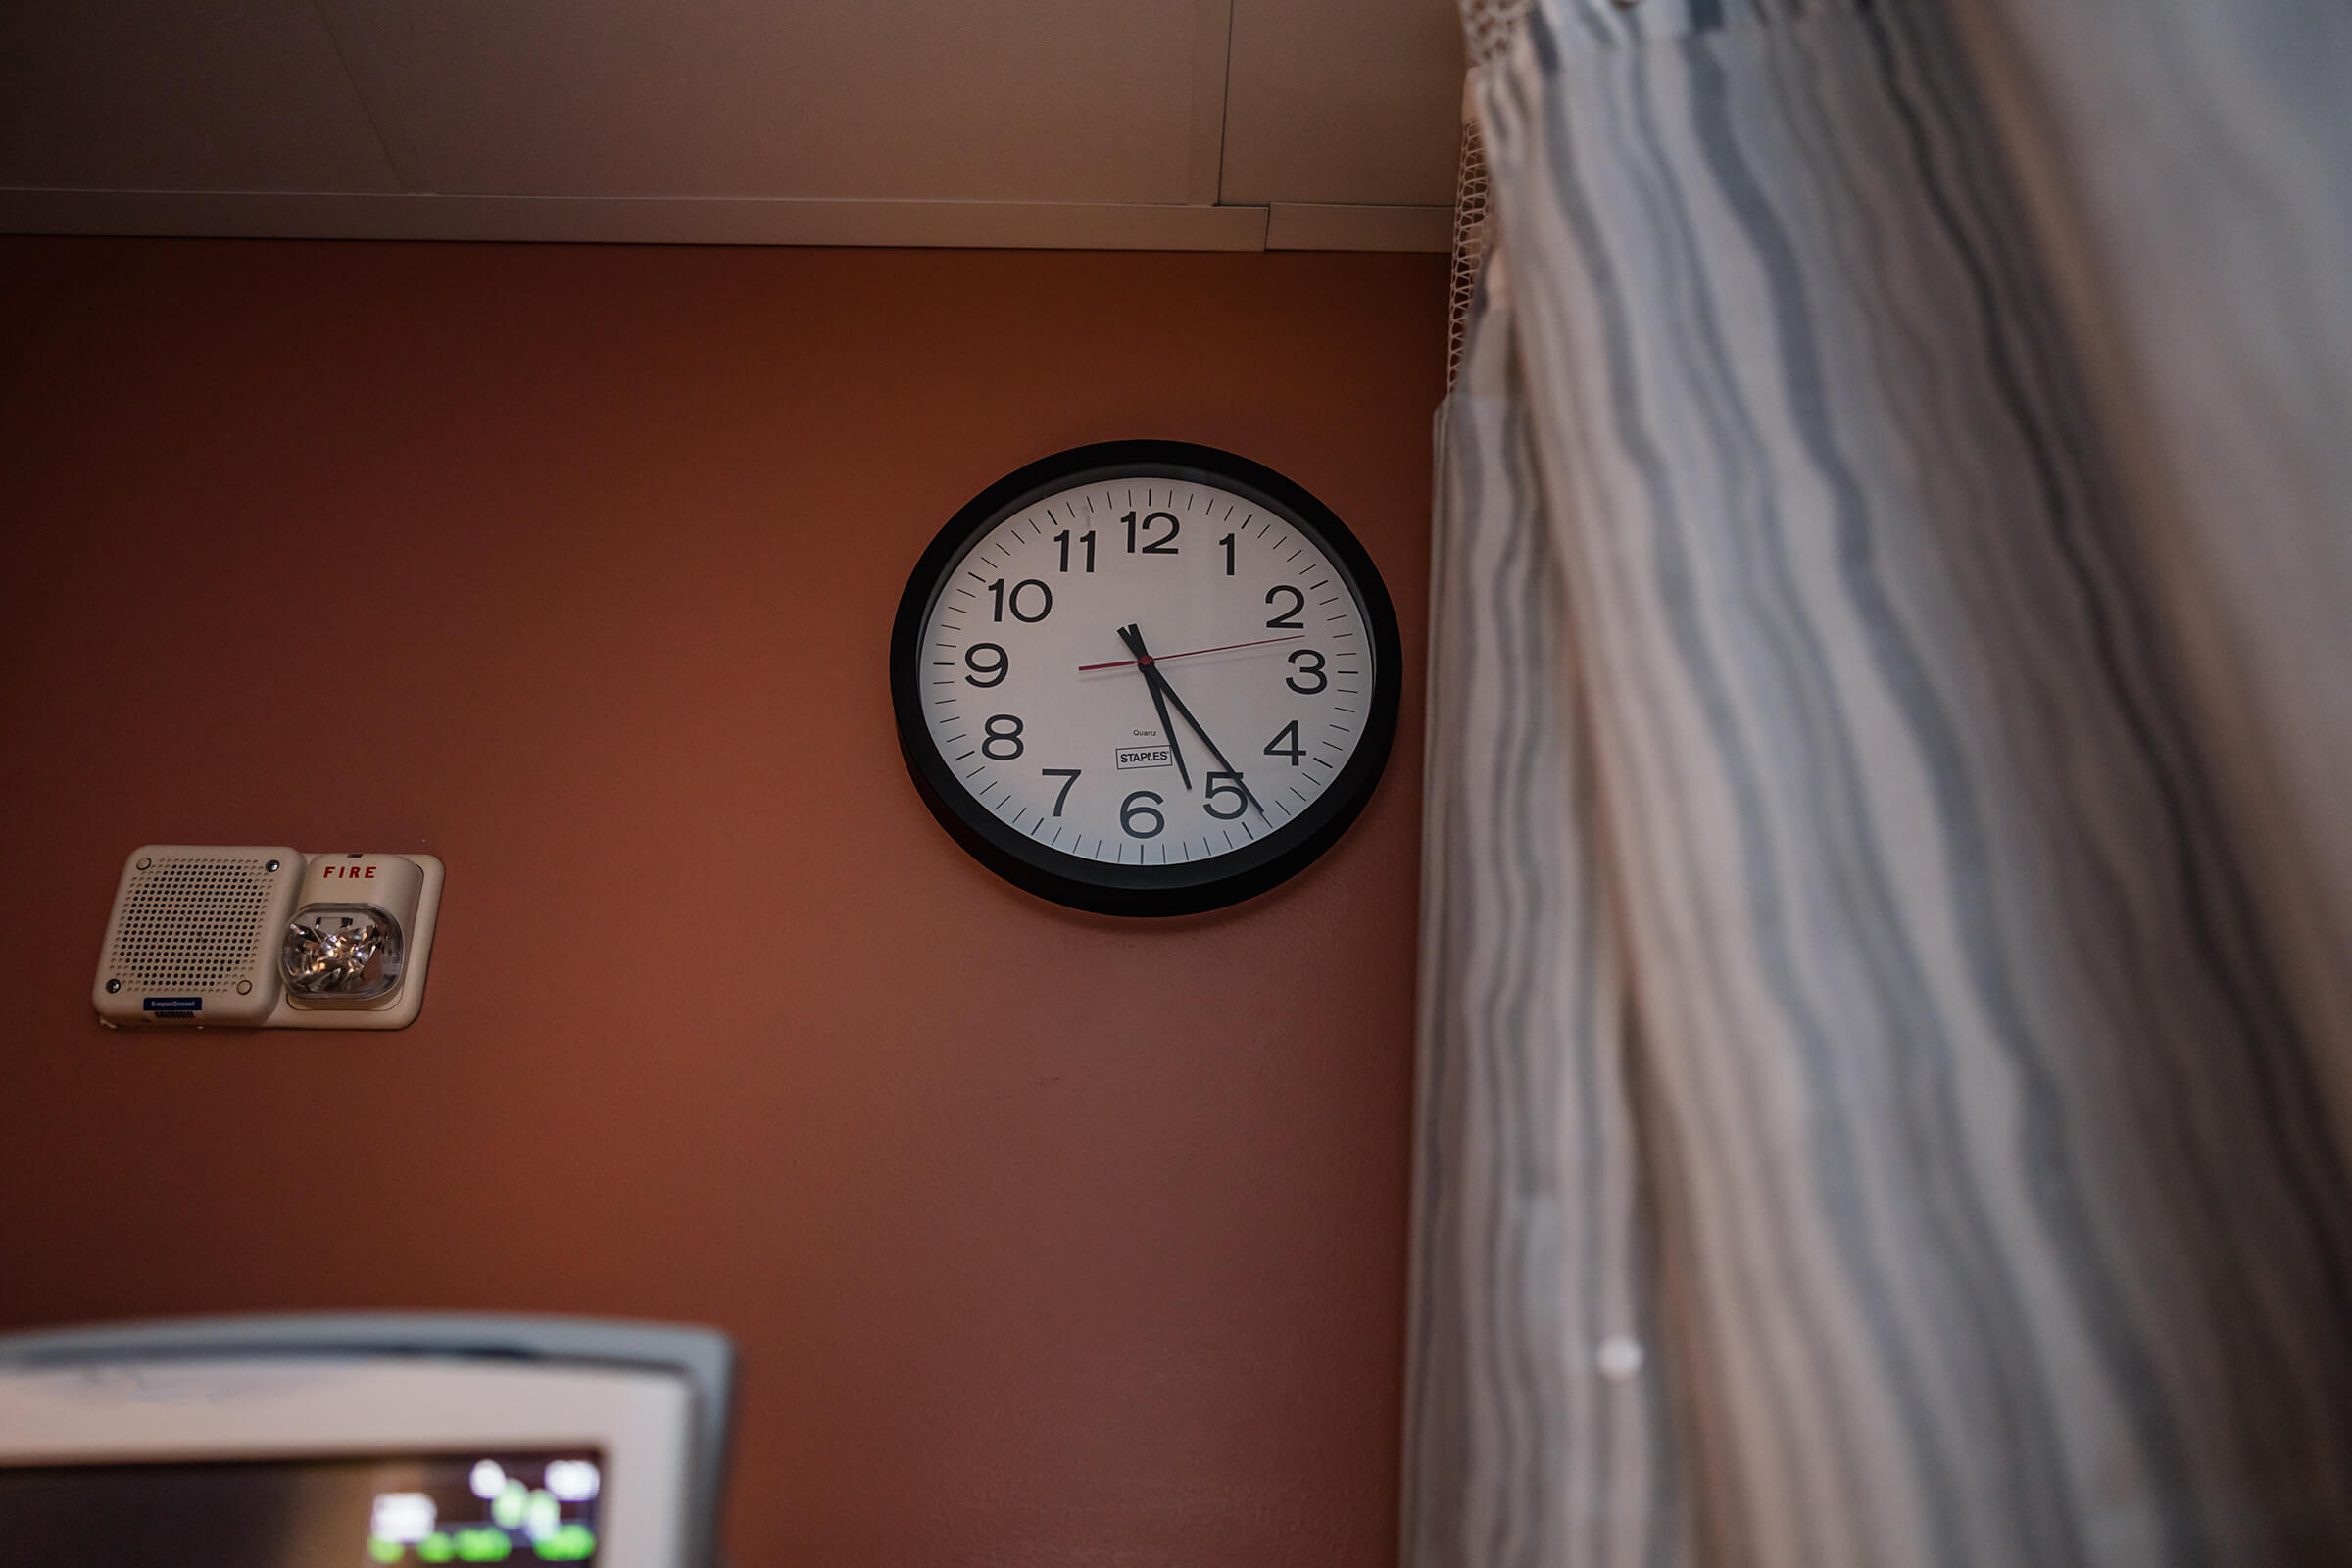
pixel 1311 671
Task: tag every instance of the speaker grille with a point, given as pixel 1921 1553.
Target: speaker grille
pixel 191 924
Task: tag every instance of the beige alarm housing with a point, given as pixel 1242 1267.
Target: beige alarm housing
pixel 265 937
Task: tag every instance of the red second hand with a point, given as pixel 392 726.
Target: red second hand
pixel 1162 658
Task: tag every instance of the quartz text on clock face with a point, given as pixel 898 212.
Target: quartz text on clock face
pixel 1147 671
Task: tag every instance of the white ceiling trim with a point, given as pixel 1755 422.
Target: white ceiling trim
pixel 1332 226
pixel 680 220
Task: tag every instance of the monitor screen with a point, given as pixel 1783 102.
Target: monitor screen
pixel 307 1513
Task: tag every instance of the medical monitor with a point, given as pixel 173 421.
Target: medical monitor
pixel 356 1443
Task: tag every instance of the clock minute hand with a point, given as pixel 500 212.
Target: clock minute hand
pixel 1133 637
pixel 1231 771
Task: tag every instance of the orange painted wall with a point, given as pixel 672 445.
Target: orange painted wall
pixel 1047 1237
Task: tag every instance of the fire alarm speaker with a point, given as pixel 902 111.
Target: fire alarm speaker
pixel 262 936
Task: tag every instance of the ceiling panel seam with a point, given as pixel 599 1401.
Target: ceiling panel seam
pixel 1225 99
pixel 1212 72
pixel 376 99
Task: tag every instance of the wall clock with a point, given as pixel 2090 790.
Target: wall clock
pixel 1145 677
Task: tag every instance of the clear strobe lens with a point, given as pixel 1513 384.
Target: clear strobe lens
pixel 345 951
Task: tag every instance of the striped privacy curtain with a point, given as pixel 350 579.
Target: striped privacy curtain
pixel 1889 806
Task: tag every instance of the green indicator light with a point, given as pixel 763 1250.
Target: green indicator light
pixel 383 1551
pixel 572 1544
pixel 508 1507
pixel 436 1548
pixel 542 1514
pixel 483 1545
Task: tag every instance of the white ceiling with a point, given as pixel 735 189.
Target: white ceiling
pixel 1222 124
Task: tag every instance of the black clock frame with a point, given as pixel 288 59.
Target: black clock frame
pixel 1144 890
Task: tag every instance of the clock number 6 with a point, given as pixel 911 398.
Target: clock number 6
pixel 1068 777
pixel 1045 595
pixel 1129 813
pixel 1009 736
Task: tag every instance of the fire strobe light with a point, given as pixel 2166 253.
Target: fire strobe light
pixel 346 951
pixel 266 937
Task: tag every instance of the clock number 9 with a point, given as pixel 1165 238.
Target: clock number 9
pixel 1043 594
pixel 995 672
pixel 1130 813
pixel 1009 737
pixel 1314 672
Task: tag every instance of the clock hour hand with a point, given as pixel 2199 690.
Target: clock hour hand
pixel 1133 637
pixel 1150 670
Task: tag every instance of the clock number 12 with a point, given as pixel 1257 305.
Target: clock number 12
pixel 1165 545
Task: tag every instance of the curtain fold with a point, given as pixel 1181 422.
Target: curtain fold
pixel 1538 1428
pixel 2187 174
pixel 1864 1120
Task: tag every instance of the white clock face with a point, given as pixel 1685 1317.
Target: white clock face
pixel 1258 689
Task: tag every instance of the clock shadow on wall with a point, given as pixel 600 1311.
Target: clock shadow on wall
pixel 1145 678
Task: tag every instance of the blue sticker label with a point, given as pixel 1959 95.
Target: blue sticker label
pixel 174 1004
